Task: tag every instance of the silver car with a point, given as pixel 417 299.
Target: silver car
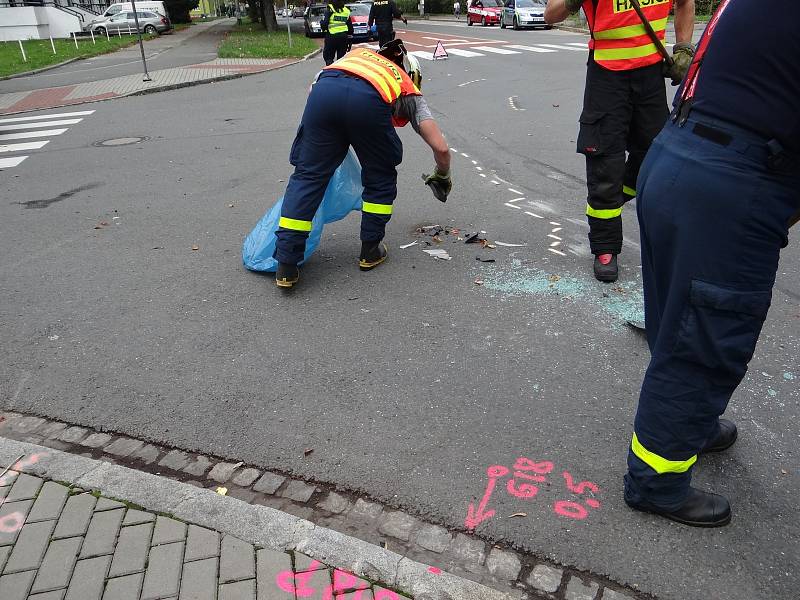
pixel 124 22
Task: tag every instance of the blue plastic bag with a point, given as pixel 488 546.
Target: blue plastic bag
pixel 342 196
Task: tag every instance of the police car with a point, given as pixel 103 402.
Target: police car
pixel 359 15
pixel 312 18
pixel 485 12
pixel 523 13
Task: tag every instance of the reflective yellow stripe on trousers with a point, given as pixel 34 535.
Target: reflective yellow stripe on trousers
pixel 659 464
pixel 604 213
pixel 377 209
pixel 296 224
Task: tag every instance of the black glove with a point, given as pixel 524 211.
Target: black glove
pixel 349 44
pixel 405 21
pixel 440 184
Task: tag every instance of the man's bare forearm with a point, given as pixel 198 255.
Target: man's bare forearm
pixel 555 12
pixel 430 132
pixel 684 21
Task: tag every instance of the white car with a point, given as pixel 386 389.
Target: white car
pixel 523 13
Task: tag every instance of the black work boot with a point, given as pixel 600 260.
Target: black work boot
pixel 724 439
pixel 701 509
pixel 286 275
pixel 605 267
pixel 372 254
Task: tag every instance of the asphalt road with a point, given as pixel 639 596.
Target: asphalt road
pixel 408 382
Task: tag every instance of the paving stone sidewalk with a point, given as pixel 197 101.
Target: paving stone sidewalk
pixel 60 542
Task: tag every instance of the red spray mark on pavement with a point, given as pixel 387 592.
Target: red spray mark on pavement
pixel 435 570
pixel 475 518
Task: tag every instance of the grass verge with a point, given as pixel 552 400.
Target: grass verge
pixel 252 41
pixel 40 53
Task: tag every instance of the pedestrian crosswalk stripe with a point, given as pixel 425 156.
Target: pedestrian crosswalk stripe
pixel 495 50
pixel 531 48
pixel 578 44
pixel 23 146
pixel 7 163
pixel 556 46
pixel 464 53
pixel 42 117
pixel 31 134
pixel 422 54
pixel 18 126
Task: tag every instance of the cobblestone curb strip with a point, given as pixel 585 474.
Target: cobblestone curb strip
pixel 358 519
pixel 239 523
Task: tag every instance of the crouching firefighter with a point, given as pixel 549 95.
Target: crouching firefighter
pixel 357 101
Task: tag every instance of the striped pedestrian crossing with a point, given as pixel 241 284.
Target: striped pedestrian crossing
pixel 505 49
pixel 24 134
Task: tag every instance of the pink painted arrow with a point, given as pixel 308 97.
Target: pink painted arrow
pixel 475 518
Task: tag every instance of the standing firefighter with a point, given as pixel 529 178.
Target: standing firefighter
pixel 338 31
pixel 382 13
pixel 718 192
pixel 357 101
pixel 624 105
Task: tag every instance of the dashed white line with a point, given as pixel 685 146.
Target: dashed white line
pixel 554 223
pixel 514 206
pixel 513 191
pixel 479 168
pixel 517 199
pixel 554 244
pixel 555 237
pixel 556 229
pixel 554 251
pixel 482 174
pixel 494 181
pixel 465 155
pixel 474 162
pixel 468 82
pixel 534 215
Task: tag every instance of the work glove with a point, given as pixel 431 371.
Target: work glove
pixel 349 44
pixel 573 6
pixel 440 184
pixel 405 21
pixel 682 56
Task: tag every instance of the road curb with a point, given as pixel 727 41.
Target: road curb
pixel 255 524
pixel 42 70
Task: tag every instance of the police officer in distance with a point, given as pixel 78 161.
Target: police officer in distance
pixel 624 106
pixel 338 30
pixel 718 191
pixel 382 13
pixel 357 101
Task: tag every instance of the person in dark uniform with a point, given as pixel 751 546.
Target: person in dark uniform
pixel 357 101
pixel 718 192
pixel 382 13
pixel 338 30
pixel 624 105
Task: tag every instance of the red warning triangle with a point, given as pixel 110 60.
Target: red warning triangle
pixel 440 52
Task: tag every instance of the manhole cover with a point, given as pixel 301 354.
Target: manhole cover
pixel 124 141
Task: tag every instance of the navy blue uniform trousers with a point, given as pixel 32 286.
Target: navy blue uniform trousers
pixel 341 111
pixel 713 219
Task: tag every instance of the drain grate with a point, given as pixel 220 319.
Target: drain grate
pixel 123 141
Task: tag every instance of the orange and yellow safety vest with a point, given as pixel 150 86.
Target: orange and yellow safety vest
pixel 387 78
pixel 619 39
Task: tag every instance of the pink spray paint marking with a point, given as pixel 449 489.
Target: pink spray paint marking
pixel 297 583
pixel 20 465
pixel 12 522
pixel 527 473
pixel 386 595
pixel 475 518
pixel 435 570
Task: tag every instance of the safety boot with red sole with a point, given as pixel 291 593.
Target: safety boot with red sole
pixel 605 267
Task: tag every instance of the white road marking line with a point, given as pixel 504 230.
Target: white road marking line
pixel 482 174
pixel 553 245
pixel 19 126
pixel 422 54
pixel 534 215
pixel 23 146
pixel 554 251
pixel 530 48
pixel 578 44
pixel 517 199
pixel 7 163
pixel 468 82
pixel 514 206
pixel 479 168
pixel 474 162
pixel 464 53
pixel 453 150
pixel 564 47
pixel 494 50
pixel 31 134
pixel 555 237
pixel 465 155
pixel 494 181
pixel 513 191
pixel 40 117
pixel 554 223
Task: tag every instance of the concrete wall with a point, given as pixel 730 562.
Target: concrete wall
pixel 36 22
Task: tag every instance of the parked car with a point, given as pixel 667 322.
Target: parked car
pixel 523 13
pixel 117 7
pixel 149 22
pixel 359 15
pixel 298 11
pixel 312 18
pixel 485 12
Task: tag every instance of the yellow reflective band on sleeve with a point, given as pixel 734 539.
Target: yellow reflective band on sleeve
pixel 628 190
pixel 296 224
pixel 378 209
pixel 657 463
pixel 630 31
pixel 605 213
pixel 623 53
